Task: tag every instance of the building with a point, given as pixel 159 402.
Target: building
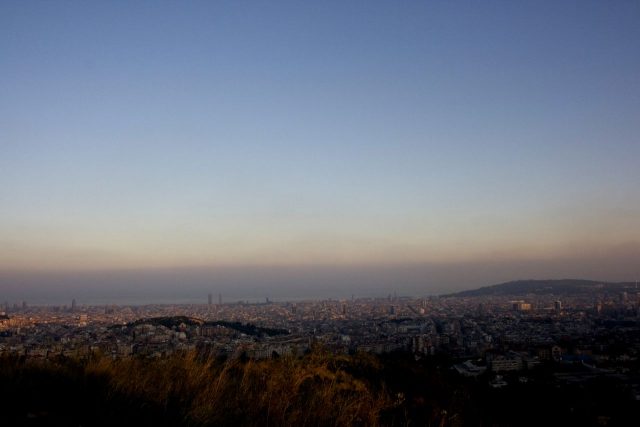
pixel 509 362
pixel 469 369
pixel 521 306
pixel 557 306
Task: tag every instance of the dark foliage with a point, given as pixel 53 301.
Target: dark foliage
pixel 249 329
pixel 319 389
pixel 173 322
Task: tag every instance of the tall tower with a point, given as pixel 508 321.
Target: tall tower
pixel 73 304
pixel 210 300
pixel 558 307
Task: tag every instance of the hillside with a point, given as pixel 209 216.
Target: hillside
pixel 175 321
pixel 545 287
pixel 317 389
pixel 188 389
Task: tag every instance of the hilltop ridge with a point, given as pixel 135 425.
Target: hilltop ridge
pixel 545 287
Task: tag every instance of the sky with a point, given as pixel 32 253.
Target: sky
pixel 315 148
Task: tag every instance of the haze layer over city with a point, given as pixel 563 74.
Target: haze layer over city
pixel 158 152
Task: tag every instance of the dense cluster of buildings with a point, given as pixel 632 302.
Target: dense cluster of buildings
pixel 480 334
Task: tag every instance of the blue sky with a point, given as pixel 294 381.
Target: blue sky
pixel 169 134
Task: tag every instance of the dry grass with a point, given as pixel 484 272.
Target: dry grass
pixel 310 391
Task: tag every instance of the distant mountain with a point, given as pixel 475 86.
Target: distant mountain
pixel 546 287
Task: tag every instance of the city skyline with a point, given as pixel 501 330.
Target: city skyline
pixel 324 149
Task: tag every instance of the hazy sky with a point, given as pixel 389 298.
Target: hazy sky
pixel 469 137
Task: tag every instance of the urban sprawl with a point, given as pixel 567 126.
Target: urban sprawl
pixel 600 332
